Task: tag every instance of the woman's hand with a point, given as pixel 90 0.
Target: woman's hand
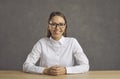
pixel 55 70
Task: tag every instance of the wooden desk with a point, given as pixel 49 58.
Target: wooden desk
pixel 88 75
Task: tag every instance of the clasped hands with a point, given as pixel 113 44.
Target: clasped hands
pixel 55 70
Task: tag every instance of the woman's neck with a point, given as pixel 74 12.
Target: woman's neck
pixel 57 38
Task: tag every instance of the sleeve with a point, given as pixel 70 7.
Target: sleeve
pixel 32 58
pixel 82 62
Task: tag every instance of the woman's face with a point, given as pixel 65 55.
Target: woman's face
pixel 57 27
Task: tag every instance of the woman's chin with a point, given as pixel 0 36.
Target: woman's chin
pixel 56 36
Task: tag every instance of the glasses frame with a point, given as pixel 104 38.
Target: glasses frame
pixel 54 25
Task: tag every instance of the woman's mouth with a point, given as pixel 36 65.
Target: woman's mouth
pixel 57 32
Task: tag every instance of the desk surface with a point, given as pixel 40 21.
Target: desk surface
pixel 88 75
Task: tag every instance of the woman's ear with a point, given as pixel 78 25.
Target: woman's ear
pixel 64 33
pixel 48 27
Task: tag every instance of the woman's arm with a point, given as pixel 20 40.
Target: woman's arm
pixel 82 62
pixel 32 58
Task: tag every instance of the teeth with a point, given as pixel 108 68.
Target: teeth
pixel 57 32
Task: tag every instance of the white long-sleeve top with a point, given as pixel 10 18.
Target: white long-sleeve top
pixel 66 52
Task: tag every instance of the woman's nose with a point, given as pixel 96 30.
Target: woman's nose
pixel 57 27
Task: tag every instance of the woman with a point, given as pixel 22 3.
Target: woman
pixel 58 54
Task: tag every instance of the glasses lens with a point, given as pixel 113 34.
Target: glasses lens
pixel 61 24
pixel 55 24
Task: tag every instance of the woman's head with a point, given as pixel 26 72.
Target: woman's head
pixel 57 25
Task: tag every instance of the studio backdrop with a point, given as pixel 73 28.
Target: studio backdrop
pixel 94 23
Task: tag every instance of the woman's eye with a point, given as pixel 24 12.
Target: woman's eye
pixel 53 24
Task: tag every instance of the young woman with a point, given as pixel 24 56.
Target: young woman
pixel 58 53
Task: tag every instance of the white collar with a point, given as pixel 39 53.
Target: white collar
pixel 60 41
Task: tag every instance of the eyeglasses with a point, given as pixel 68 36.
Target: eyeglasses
pixel 62 25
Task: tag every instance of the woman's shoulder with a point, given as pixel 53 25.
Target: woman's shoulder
pixel 70 38
pixel 43 38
